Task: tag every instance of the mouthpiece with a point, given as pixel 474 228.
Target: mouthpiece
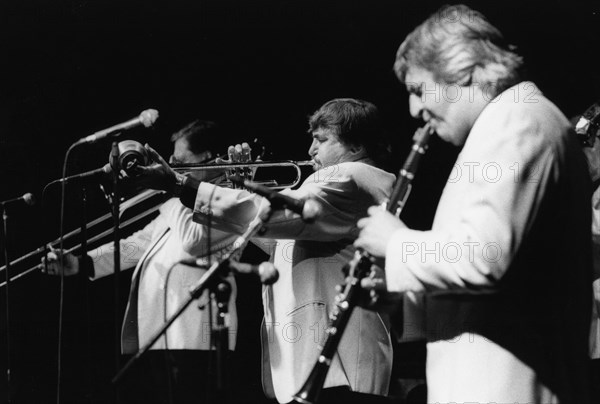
pixel 422 134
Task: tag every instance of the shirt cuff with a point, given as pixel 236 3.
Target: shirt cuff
pixel 187 190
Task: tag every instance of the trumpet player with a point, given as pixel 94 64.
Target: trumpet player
pixel 504 274
pixel 347 145
pixel 159 286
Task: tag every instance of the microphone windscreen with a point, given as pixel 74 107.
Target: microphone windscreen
pixel 29 199
pixel 148 117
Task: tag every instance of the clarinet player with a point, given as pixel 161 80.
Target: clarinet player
pixel 503 276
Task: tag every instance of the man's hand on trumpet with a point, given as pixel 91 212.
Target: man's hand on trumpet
pixel 240 153
pixel 159 175
pixel 162 177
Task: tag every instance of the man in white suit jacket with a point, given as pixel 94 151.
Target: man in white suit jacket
pixel 587 128
pixel 164 254
pixel 503 277
pixel 346 142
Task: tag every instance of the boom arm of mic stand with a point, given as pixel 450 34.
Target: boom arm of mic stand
pixel 215 272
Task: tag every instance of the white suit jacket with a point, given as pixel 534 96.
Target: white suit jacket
pixel 505 271
pixel 159 284
pixel 595 322
pixel 310 258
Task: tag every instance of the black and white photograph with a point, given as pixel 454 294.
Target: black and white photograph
pixel 300 201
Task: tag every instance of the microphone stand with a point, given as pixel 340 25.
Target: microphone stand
pixel 211 279
pixel 114 161
pixel 222 292
pixel 83 274
pixel 4 235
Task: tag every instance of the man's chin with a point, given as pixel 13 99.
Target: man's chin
pixel 442 134
pixel 451 138
pixel 458 141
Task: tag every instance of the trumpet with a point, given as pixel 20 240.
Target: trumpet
pixel 132 154
pixel 249 169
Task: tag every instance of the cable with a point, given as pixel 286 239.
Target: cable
pixel 62 276
pixel 168 361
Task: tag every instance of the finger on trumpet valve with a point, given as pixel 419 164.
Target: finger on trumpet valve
pixel 245 150
pixel 246 158
pixel 233 153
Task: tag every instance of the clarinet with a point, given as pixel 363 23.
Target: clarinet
pixel 358 269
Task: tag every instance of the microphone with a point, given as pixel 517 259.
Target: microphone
pixel 92 175
pixel 266 271
pixel 131 155
pixel 28 198
pixel 146 118
pixel 309 209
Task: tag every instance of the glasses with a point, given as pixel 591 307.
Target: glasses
pixel 206 157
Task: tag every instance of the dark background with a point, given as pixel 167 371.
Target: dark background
pixel 69 68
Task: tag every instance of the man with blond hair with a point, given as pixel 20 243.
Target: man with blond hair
pixel 503 276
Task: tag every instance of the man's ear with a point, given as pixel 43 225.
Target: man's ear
pixel 357 149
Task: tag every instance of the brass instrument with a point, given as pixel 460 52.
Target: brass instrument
pixel 149 197
pixel 132 154
pixel 153 199
pixel 241 168
pixel 358 269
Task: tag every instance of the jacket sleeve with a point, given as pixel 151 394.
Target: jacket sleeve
pixel 180 220
pixel 132 249
pixel 344 192
pixel 472 244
